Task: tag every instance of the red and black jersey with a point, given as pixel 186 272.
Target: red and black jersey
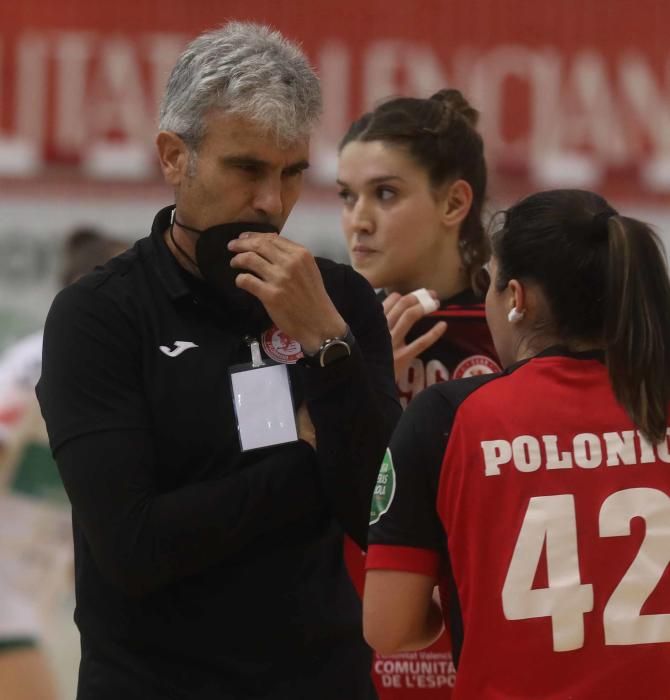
pixel 464 350
pixel 545 515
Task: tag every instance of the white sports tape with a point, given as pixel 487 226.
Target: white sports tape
pixel 428 304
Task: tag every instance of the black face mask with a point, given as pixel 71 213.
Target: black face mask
pixel 212 258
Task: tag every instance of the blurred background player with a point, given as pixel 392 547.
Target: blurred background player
pixel 35 537
pixel 412 179
pixel 550 481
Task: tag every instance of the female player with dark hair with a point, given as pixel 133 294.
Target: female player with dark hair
pixel 539 498
pixel 412 179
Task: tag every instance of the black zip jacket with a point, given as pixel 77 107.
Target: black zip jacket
pixel 203 572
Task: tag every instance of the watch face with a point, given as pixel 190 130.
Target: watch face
pixel 337 350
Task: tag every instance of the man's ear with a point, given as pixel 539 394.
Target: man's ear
pixel 173 155
pixel 456 202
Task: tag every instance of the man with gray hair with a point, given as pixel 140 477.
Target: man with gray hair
pixel 218 402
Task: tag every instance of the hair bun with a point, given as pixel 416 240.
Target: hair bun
pixel 457 104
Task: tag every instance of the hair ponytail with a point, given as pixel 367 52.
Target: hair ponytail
pixel 637 325
pixel 605 279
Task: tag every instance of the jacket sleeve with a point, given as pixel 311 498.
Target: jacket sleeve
pixel 141 537
pixel 354 406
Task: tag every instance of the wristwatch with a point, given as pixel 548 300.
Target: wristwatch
pixel 331 350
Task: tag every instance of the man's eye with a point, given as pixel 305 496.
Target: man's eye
pixel 250 169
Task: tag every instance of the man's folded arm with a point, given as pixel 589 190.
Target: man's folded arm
pixel 99 425
pixel 142 539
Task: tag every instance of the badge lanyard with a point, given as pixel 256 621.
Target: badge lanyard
pixel 263 403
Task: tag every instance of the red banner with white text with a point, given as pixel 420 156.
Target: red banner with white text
pixel 571 93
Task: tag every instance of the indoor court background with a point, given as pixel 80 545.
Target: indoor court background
pixel 573 93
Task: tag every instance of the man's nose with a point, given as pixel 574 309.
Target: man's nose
pixel 268 198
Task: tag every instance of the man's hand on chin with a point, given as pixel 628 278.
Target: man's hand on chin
pixel 284 276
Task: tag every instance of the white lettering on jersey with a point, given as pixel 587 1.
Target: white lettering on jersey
pixel 586 451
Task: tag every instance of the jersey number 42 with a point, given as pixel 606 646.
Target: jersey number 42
pixel 566 599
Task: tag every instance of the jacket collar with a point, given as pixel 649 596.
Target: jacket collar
pixel 168 269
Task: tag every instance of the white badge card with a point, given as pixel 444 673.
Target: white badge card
pixel 263 406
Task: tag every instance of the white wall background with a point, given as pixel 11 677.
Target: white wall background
pixel 32 230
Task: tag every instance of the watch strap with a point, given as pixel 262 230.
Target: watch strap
pixel 320 357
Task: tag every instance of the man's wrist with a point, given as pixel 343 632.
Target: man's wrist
pixel 331 350
pixel 313 343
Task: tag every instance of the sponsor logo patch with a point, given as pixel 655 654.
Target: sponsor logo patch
pixel 281 347
pixel 475 365
pixel 384 492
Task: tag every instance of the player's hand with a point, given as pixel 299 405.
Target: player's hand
pixel 402 312
pixel 284 276
pixel 306 430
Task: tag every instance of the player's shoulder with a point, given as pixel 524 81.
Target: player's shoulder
pixel 452 394
pixel 482 394
pixel 433 413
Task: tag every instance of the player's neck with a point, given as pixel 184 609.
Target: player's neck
pixel 446 282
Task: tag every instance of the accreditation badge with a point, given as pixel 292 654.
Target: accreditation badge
pixel 263 402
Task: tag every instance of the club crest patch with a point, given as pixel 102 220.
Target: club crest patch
pixel 475 365
pixel 384 492
pixel 280 347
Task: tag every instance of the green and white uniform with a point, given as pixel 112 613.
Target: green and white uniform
pixel 35 522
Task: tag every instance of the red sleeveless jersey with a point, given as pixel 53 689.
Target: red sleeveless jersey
pixel 545 515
